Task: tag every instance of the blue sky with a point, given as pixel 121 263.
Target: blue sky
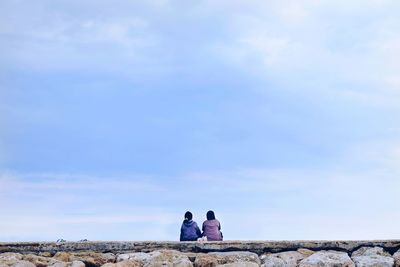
pixel 118 116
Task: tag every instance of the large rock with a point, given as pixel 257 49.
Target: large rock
pixel 39 261
pixel 89 258
pixel 239 258
pixel 396 257
pixel 368 251
pixel 372 257
pixel 158 258
pixel 239 264
pixel 23 264
pixel 125 263
pixel 327 259
pixel 9 258
pixel 288 259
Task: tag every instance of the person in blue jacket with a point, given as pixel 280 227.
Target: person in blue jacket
pixel 189 230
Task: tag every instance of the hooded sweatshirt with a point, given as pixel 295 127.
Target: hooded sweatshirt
pixel 190 231
pixel 211 229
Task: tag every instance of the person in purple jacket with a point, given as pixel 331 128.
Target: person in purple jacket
pixel 212 228
pixel 189 229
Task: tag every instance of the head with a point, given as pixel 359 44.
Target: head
pixel 210 215
pixel 188 216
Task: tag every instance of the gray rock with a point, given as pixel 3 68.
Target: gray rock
pixel 368 251
pixel 23 264
pixel 135 256
pixel 171 258
pixel 288 258
pixel 239 264
pixel 239 258
pixel 327 259
pixel 77 264
pixel 373 261
pixel 372 257
pixel 396 257
pixel 9 258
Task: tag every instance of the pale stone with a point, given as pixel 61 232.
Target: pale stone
pixel 221 258
pixel 373 261
pixel 93 258
pixel 9 258
pixel 77 264
pixel 39 261
pixel 239 264
pixel 158 258
pixel 368 251
pixel 396 257
pixel 59 264
pixel 327 259
pixel 134 256
pixel 372 257
pixel 125 263
pixel 305 252
pixel 23 264
pixel 288 258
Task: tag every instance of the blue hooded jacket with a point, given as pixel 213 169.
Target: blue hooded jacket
pixel 190 231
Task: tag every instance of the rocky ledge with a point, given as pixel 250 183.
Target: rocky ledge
pixel 208 254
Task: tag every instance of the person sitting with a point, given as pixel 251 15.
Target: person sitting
pixel 212 228
pixel 189 229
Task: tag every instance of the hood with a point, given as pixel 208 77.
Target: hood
pixel 188 223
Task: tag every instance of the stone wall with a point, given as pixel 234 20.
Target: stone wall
pixel 207 254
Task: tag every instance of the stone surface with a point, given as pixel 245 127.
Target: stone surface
pixel 288 258
pixel 372 257
pixel 77 264
pixel 223 258
pixel 23 264
pixel 39 261
pixel 125 263
pixel 158 258
pixel 9 258
pixel 327 259
pixel 258 247
pixel 88 258
pixel 367 251
pixel 239 264
pixel 396 257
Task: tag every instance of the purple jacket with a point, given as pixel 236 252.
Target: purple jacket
pixel 211 229
pixel 189 231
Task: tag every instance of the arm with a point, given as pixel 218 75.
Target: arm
pixel 181 237
pixel 198 232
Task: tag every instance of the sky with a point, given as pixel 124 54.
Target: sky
pixel 116 117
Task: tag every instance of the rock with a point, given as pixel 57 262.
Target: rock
pixel 77 264
pixel 222 258
pixel 372 257
pixel 368 251
pixel 239 264
pixel 93 258
pixel 158 258
pixel 135 256
pixel 327 259
pixel 39 261
pixel 59 264
pixel 125 263
pixel 23 264
pixel 305 252
pixel 396 257
pixel 373 261
pixel 9 258
pixel 288 258
pixel 62 256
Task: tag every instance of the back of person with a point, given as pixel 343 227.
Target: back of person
pixel 189 229
pixel 212 227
